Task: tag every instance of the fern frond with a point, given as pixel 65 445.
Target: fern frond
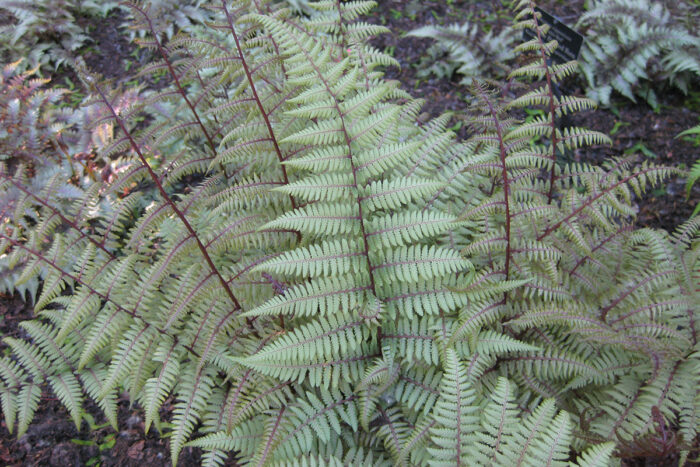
pixel 599 455
pixel 455 414
pixel 415 263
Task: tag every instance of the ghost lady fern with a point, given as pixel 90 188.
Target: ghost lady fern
pixel 319 279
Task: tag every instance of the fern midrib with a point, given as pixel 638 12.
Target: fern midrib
pixel 306 366
pixel 414 294
pixel 409 336
pixel 623 229
pixel 58 351
pixel 630 405
pixel 56 212
pixel 502 419
pixel 168 200
pixel 392 430
pixel 311 339
pixel 341 25
pixel 213 334
pixel 175 77
pixel 310 420
pixel 412 261
pixel 636 286
pixel 232 226
pixel 271 437
pixel 504 175
pixel 261 109
pixel 233 396
pixel 405 226
pixel 251 403
pixel 118 307
pixel 348 143
pixel 591 199
pixel 172 317
pixel 552 110
pixel 161 269
pixel 648 307
pixel 28 355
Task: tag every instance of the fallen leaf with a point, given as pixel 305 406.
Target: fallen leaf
pixel 136 450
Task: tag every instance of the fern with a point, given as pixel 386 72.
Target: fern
pixel 469 53
pixel 46 32
pixel 632 44
pixel 633 47
pixel 40 142
pixel 168 18
pixel 316 279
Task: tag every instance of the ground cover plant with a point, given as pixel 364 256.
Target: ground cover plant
pixel 284 250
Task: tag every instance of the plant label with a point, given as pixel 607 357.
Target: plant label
pixel 569 41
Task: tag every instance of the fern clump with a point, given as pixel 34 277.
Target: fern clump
pixel 51 153
pixel 169 17
pixel 32 143
pixel 318 277
pixel 30 118
pixel 46 32
pixel 463 49
pixel 631 45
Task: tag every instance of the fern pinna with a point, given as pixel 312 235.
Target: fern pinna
pixel 319 279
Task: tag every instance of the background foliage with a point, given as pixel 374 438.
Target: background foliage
pixel 633 47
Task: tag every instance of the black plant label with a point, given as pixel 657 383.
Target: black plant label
pixel 569 41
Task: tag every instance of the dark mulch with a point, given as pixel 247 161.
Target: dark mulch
pixel 12 311
pixel 665 207
pixel 110 49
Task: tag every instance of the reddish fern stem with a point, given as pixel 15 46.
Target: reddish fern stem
pixel 169 200
pixel 346 44
pixel 273 432
pixel 204 94
pixel 592 199
pixel 552 110
pixel 263 113
pixel 72 224
pixel 504 171
pixel 176 80
pixel 319 414
pixel 621 297
pixel 233 395
pixel 691 314
pixel 102 296
pixel 348 142
pixel 343 30
pixel 392 430
pixel 626 228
